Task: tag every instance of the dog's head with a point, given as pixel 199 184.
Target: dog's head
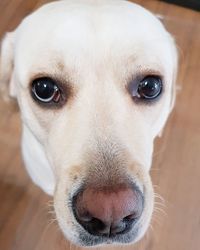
pixel 95 84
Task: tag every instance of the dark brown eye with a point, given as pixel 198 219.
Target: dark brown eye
pixel 46 90
pixel 149 88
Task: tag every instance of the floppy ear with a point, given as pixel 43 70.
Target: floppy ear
pixel 7 87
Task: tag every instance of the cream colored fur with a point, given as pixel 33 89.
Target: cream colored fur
pixel 97 46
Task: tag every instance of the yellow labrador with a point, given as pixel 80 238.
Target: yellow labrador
pixel 94 81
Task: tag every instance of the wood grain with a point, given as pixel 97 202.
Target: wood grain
pixel 25 223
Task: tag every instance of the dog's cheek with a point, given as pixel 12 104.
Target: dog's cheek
pixel 37 119
pixel 141 177
pixel 63 211
pixel 146 218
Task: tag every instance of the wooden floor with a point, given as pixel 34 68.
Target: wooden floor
pixel 25 223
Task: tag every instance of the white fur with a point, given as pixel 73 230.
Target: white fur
pixel 100 45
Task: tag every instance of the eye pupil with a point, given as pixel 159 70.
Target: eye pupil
pixel 45 90
pixel 150 87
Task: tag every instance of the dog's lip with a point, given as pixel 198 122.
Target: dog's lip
pixel 86 239
pixel 95 241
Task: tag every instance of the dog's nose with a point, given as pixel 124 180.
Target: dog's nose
pixel 108 212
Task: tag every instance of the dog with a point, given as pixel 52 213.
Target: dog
pixel 95 84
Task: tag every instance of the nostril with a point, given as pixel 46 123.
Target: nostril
pixel 94 225
pixel 98 227
pixel 131 218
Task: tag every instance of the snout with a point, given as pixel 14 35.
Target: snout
pixel 108 211
pixel 97 211
pixel 108 199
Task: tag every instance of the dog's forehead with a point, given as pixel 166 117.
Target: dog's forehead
pixel 75 33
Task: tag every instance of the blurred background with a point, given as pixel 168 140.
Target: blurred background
pixel 26 221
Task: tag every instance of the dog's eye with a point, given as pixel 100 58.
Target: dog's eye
pixel 149 88
pixel 45 90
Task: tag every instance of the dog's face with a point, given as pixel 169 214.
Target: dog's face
pixel 94 82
